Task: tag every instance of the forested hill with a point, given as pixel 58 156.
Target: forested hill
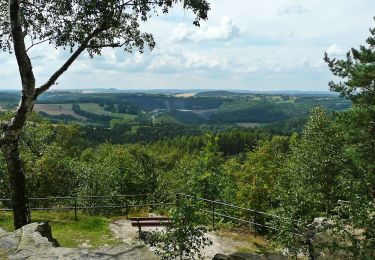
pixel 205 108
pixel 221 93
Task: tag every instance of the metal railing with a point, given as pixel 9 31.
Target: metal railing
pixel 95 204
pixel 215 210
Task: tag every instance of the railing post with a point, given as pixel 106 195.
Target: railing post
pixel 28 207
pixel 145 207
pixel 126 207
pixel 177 200
pixel 254 226
pixel 75 208
pixel 213 214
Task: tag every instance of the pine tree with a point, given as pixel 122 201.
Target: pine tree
pixel 357 72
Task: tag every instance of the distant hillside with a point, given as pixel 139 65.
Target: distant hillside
pixel 220 93
pixel 216 107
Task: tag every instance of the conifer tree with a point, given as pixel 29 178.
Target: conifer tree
pixel 357 72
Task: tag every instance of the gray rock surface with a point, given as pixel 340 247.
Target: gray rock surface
pixel 9 242
pixel 248 256
pixel 35 242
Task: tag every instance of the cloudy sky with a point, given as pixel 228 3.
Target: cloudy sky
pixel 246 44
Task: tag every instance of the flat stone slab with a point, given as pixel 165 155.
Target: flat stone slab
pixel 28 243
pixel 9 241
pixel 118 252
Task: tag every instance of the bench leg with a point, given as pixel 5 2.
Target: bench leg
pixel 139 228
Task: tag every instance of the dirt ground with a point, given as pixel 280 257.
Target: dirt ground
pixel 223 242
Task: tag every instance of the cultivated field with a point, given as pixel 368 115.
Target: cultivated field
pixel 185 95
pixel 66 109
pixel 57 109
pixel 96 109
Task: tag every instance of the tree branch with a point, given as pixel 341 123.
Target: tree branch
pixel 35 44
pixel 112 45
pixel 30 146
pixel 51 81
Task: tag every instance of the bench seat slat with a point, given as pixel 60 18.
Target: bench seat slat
pixel 151 223
pixel 148 218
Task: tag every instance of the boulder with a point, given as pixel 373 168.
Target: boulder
pixel 245 256
pixel 220 257
pixel 35 242
pixel 248 256
pixel 45 231
pixel 37 235
pixel 9 242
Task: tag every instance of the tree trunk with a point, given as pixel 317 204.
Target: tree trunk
pixel 12 130
pixel 17 180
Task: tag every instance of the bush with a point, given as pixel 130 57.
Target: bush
pixel 184 239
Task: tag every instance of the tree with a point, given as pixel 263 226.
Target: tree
pixel 184 238
pixel 204 174
pixel 358 128
pixel 358 72
pixel 78 26
pixel 310 186
pixel 256 180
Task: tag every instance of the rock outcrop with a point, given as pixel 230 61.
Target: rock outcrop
pixel 35 241
pixel 248 256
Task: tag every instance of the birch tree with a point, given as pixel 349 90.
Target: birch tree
pixel 77 26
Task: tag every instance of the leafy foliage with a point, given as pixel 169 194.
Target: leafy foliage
pixel 309 188
pixel 357 71
pixel 94 24
pixel 184 239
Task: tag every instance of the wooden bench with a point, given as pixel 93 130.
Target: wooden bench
pixel 150 222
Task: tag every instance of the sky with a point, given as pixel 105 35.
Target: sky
pixel 253 45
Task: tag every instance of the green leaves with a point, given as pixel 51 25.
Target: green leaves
pixel 310 186
pixel 357 72
pixel 184 239
pixel 95 24
pixel 258 176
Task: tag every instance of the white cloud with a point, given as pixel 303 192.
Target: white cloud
pixel 227 30
pixel 269 55
pixel 335 50
pixel 247 69
pixel 318 64
pixel 292 9
pixel 174 61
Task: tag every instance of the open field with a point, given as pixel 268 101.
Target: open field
pixel 94 108
pixel 97 109
pixel 185 95
pixel 66 109
pixel 57 109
